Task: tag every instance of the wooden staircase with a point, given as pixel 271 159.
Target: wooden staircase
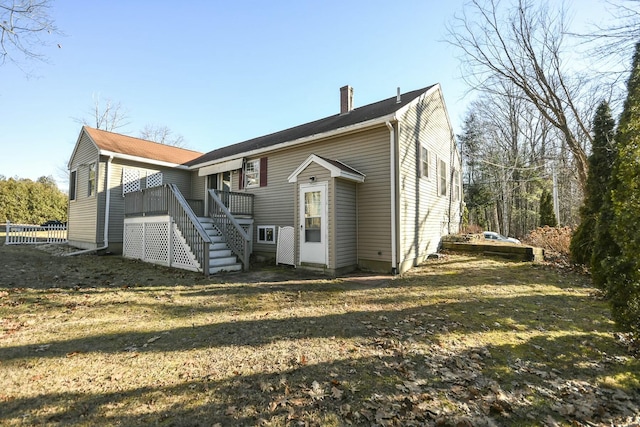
pixel 221 258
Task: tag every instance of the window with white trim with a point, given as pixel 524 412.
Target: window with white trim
pixel 267 234
pixel 424 161
pixel 130 180
pixel 92 180
pixel 442 173
pixel 154 180
pixel 252 173
pixel 456 185
pixel 73 184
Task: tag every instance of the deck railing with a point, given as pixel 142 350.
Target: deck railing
pixel 238 204
pixel 167 200
pixel 237 238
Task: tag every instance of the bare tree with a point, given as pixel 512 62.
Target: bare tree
pixel 23 25
pixel 522 44
pixel 162 135
pixel 618 39
pixel 107 115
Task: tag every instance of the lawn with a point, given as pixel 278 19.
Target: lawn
pixel 460 341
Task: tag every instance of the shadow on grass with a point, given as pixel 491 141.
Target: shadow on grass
pixel 520 313
pixel 391 384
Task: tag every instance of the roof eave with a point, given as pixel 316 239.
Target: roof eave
pixel 142 160
pixel 345 129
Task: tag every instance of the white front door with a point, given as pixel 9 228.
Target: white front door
pixel 313 223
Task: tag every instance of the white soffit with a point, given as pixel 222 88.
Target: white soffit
pixel 230 165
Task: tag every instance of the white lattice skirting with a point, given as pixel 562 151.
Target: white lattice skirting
pixel 157 240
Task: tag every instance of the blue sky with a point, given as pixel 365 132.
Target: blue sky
pixel 220 72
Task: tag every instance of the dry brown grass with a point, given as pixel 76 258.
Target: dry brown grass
pixel 105 341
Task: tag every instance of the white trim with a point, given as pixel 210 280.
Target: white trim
pixel 229 165
pixel 323 187
pixel 394 197
pixel 310 138
pixel 265 227
pixel 75 184
pixel 336 172
pixel 421 171
pixel 142 160
pixel 93 187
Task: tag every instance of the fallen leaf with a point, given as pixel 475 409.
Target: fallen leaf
pixel 316 392
pixel 336 393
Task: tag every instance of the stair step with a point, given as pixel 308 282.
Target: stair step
pixel 221 261
pixel 215 246
pixel 225 268
pixel 219 253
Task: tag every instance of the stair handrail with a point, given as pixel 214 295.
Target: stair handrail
pixel 188 224
pixel 237 238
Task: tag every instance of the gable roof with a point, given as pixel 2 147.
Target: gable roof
pixel 356 116
pixel 138 149
pixel 336 167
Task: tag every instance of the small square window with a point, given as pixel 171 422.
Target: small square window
pixel 267 234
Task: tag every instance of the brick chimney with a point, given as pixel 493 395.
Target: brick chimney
pixel 346 99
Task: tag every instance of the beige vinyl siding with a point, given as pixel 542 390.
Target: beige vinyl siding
pixel 366 151
pixel 198 184
pixel 82 213
pixel 423 212
pixel 182 178
pixel 345 224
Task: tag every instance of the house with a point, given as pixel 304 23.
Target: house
pixel 374 187
pixel 103 167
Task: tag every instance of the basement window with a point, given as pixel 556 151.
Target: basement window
pixel 267 234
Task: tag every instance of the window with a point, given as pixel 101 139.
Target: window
pixel 456 185
pixel 154 180
pixel 130 180
pixel 255 173
pixel 72 185
pixel 424 162
pixel 252 174
pixel 92 180
pixel 267 234
pixel 442 166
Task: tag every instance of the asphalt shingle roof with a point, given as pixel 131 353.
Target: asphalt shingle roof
pixel 337 121
pixel 122 144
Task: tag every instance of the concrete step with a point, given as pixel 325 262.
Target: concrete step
pixel 225 268
pixel 221 261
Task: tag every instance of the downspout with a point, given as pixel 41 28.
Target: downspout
pixel 106 214
pixel 392 155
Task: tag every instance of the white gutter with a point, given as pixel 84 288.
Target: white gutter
pixel 113 154
pixel 106 214
pixel 392 149
pixel 306 139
